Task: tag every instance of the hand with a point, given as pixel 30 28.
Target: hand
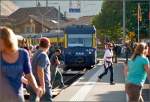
pixel 43 89
pixel 39 92
pixel 24 80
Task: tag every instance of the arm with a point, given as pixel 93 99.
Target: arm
pixel 105 55
pixel 147 69
pixel 41 65
pixel 24 80
pixel 57 61
pixel 28 74
pixel 125 70
pixel 40 73
pixel 32 81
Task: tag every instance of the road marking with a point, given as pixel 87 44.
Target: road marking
pixel 87 86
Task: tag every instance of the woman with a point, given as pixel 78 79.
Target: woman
pixel 15 63
pixel 108 64
pixel 136 72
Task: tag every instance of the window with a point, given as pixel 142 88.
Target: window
pixel 28 29
pixel 83 40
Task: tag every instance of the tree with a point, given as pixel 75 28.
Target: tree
pixel 132 19
pixel 109 21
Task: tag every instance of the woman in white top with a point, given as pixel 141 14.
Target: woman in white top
pixel 108 63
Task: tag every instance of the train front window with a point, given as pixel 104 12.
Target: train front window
pixel 82 40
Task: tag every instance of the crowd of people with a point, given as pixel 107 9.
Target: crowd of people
pixel 136 69
pixel 37 70
pixel 20 67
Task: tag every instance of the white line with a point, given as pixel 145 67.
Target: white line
pixel 127 98
pixel 87 86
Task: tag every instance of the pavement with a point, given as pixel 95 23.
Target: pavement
pixel 88 88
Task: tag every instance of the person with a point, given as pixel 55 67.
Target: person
pixel 136 71
pixel 115 50
pixel 55 72
pixel 127 51
pixel 14 63
pixel 108 64
pixel 41 71
pixel 6 90
pixel 51 51
pixel 148 54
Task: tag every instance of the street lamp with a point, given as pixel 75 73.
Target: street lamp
pixel 43 20
pixel 149 18
pixel 124 19
pixel 58 23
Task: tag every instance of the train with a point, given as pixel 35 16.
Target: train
pixel 54 37
pixel 80 47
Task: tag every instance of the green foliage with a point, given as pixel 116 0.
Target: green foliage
pixel 109 21
pixel 132 21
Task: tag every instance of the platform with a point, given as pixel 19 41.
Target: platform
pixel 88 88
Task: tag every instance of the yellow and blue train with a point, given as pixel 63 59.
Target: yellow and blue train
pixel 80 46
pixel 55 38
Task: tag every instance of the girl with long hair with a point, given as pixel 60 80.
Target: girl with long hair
pixel 15 63
pixel 136 72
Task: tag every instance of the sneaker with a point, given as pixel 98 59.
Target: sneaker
pixel 99 79
pixel 112 83
pixel 63 87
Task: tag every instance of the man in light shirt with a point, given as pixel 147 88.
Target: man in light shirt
pixel 108 63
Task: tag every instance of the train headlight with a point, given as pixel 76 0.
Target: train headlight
pixel 90 52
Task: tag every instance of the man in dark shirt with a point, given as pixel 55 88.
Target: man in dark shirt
pixel 54 69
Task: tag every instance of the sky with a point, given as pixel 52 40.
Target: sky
pixel 88 7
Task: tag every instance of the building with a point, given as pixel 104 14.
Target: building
pixel 39 20
pixel 33 20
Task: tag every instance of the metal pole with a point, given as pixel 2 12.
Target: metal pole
pixel 138 31
pixel 149 18
pixel 124 20
pixel 138 23
pixel 0 10
pixel 42 25
pixel 46 3
pixel 58 23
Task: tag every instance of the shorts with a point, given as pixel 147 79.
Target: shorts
pixel 134 92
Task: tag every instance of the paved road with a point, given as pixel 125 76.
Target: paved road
pixel 88 88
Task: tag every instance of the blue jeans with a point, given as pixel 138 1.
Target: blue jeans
pixel 110 68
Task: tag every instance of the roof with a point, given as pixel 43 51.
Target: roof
pixel 45 22
pixel 4 20
pixel 85 20
pixel 45 12
pixel 80 29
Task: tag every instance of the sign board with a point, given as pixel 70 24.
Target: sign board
pixel 74 6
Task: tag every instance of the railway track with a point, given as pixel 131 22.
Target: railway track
pixel 69 78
